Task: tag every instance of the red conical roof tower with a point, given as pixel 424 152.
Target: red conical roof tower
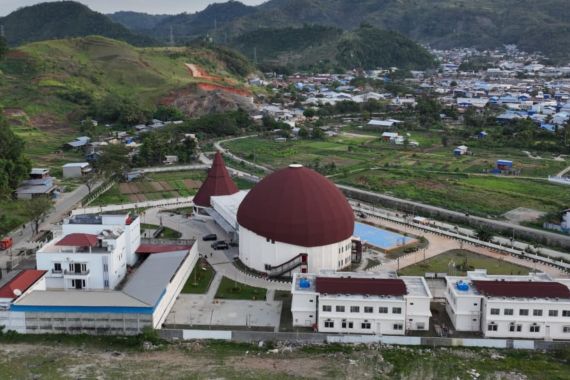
pixel 217 183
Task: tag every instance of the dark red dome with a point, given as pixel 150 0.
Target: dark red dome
pixel 297 206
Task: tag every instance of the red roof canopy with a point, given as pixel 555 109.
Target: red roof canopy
pixel 21 282
pixel 217 183
pixel 522 289
pixel 361 286
pixel 297 206
pixel 78 240
pixel 161 248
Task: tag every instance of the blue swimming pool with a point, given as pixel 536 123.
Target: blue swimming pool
pixel 378 237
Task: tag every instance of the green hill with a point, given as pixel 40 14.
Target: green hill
pixel 322 48
pixel 64 19
pixel 47 87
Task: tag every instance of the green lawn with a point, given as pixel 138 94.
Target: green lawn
pixel 200 279
pixel 464 260
pixel 233 290
pixel 12 215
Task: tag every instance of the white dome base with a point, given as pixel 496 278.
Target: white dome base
pixel 256 252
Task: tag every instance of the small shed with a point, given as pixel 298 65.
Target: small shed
pixel 76 169
pixel 504 164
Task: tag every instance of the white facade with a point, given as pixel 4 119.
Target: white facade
pixel 361 313
pixel 76 170
pixel 90 268
pixel 258 252
pixel 507 317
pixel 95 224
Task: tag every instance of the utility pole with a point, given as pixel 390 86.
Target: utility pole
pixel 171 36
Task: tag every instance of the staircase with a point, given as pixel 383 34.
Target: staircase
pixel 298 261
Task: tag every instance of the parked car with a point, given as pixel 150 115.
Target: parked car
pixel 234 244
pixel 220 245
pixel 211 237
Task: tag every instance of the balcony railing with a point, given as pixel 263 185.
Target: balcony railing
pixel 74 273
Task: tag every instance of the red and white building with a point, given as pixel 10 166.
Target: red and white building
pixel 360 303
pixel 534 306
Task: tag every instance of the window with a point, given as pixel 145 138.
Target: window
pixel 534 329
pixel 397 310
pixel 383 310
pixel 537 313
pixel 509 312
pixel 566 329
pixel 421 326
pixel 553 313
pixel 492 327
pixel 523 312
pixel 566 313
pixel 105 267
pixel 339 309
pixel 398 326
pixel 106 283
pixel 513 328
pixel 495 311
pixel 57 267
pixel 327 308
pixel 366 325
pixel 329 324
pixel 368 309
pixel 355 309
pixel 346 324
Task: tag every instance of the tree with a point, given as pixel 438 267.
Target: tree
pixel 310 112
pixel 484 234
pixel 89 181
pixel 36 209
pixel 113 160
pixel 317 134
pixel 14 166
pixel 3 47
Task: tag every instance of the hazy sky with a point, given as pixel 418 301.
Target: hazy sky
pixel 148 6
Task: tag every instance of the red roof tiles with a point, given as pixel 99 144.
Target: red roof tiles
pixel 522 289
pixel 361 286
pixel 78 240
pixel 21 282
pixel 297 206
pixel 217 183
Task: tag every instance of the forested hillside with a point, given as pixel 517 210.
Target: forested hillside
pixel 326 48
pixel 534 26
pixel 63 19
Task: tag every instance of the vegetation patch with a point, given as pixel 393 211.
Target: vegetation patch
pixel 233 290
pixel 457 262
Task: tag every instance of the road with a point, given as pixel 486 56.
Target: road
pixel 23 237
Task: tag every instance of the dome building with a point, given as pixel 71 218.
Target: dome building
pixel 295 220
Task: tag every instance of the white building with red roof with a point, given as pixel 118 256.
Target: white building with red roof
pixel 85 282
pixel 360 302
pixel 533 306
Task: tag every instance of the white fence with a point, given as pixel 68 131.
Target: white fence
pixel 206 334
pixel 559 180
pixel 162 203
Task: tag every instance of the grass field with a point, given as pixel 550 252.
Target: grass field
pixel 176 181
pixel 200 279
pixel 464 260
pixel 233 290
pixel 428 174
pixel 60 358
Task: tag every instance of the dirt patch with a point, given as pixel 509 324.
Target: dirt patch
pixel 157 186
pixel 296 367
pixel 166 186
pixel 192 184
pixel 522 214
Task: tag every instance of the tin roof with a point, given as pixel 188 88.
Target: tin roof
pixel 217 183
pixel 78 240
pixel 522 289
pixel 21 282
pixel 361 286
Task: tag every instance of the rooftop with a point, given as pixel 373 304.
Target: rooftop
pixel 19 284
pixel 78 240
